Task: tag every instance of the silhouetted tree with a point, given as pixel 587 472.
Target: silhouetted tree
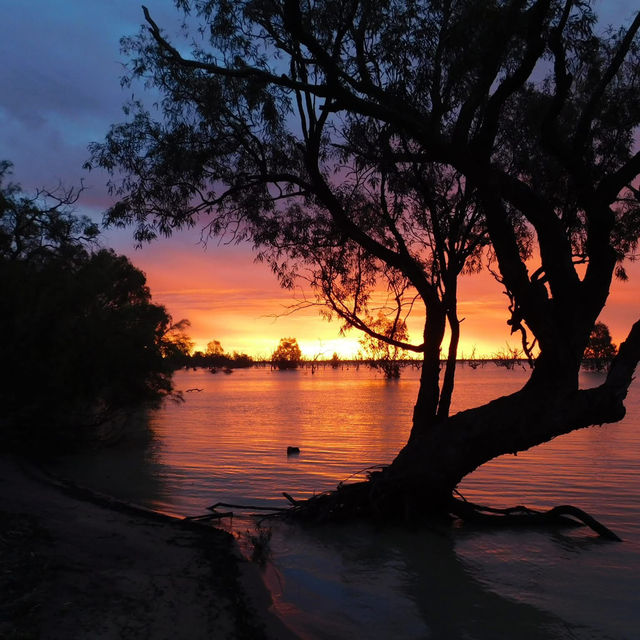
pixel 287 354
pixel 381 354
pixel 214 348
pixel 80 339
pixel 382 144
pixel 176 345
pixel 215 354
pixel 509 357
pixel 241 359
pixel 600 349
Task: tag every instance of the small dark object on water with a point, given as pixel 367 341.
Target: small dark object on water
pixel 292 451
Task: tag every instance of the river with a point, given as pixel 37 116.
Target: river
pixel 228 443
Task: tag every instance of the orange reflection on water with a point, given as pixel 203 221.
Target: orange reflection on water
pixel 237 429
pixel 229 441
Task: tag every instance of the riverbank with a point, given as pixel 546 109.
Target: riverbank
pixel 75 566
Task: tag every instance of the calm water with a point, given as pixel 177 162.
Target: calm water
pixel 228 443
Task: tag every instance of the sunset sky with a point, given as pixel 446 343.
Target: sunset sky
pixel 60 90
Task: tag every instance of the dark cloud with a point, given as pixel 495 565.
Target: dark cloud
pixel 60 72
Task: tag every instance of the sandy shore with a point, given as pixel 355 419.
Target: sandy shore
pixel 74 566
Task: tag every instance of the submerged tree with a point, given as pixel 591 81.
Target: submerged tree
pixel 368 145
pixel 287 354
pixel 600 348
pixel 382 354
pixel 215 354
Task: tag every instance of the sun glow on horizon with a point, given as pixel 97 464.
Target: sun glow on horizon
pixel 346 347
pixel 228 297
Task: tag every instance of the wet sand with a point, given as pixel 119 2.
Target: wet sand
pixel 75 565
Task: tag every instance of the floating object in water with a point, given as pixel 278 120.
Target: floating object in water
pixel 292 451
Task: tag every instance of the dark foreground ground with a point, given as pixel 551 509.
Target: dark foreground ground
pixel 72 568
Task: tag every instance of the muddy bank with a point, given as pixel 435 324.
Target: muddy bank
pixel 74 566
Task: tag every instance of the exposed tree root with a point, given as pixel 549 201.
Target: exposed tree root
pixel 567 515
pixel 384 498
pixel 374 499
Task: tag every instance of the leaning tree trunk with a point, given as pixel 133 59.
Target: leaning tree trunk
pixel 425 473
pixel 430 467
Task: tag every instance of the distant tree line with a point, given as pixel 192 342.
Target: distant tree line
pixel 376 354
pixel 82 343
pixel 214 357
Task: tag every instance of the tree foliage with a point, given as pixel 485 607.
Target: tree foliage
pixel 600 348
pixel 176 345
pixel 287 354
pixel 214 348
pixel 80 337
pixel 214 357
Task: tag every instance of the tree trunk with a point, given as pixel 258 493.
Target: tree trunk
pixel 426 407
pixel 432 464
pixel 450 368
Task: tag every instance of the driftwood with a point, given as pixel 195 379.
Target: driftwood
pixel 218 515
pixel 206 517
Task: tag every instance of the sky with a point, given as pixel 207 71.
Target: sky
pixel 60 90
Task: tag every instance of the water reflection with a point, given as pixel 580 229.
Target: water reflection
pixel 589 584
pixel 229 442
pixel 132 469
pixel 391 583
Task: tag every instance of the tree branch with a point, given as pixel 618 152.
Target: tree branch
pixel 245 72
pixel 588 113
pixel 610 186
pixel 534 48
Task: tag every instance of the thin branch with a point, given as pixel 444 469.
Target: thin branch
pixel 588 113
